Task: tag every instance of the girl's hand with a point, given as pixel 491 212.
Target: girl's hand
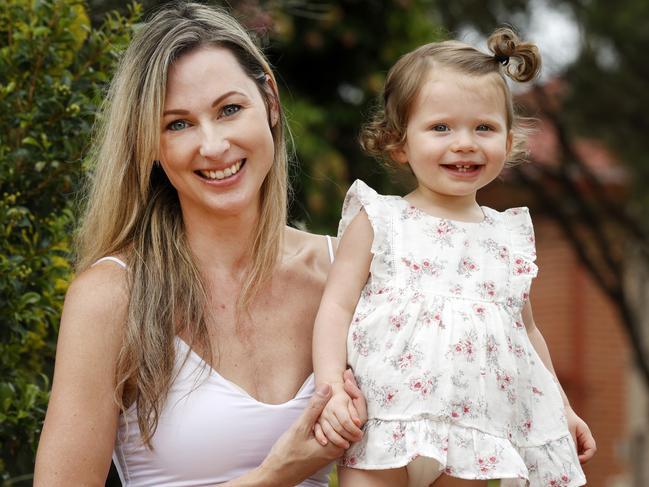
pixel 339 423
pixel 580 432
pixel 297 454
pixel 358 400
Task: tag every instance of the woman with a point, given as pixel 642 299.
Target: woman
pixel 185 341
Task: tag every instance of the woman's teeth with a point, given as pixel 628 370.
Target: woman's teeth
pixel 226 173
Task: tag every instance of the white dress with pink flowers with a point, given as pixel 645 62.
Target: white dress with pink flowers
pixel 441 353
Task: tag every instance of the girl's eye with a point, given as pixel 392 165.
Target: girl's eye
pixel 177 125
pixel 229 110
pixel 440 127
pixel 483 127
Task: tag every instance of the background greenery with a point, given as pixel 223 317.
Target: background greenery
pixel 331 57
pixel 53 70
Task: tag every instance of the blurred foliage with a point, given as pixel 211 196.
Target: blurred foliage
pixel 608 96
pixel 53 71
pixel 333 68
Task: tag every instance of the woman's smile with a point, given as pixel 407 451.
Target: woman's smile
pixel 216 142
pixel 221 174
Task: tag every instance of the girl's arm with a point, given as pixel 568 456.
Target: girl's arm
pixel 580 431
pixel 80 426
pixel 347 277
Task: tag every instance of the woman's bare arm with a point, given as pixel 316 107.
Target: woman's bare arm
pixel 80 426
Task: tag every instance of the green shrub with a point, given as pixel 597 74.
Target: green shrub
pixel 53 71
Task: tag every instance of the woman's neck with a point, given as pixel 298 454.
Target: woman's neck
pixel 221 243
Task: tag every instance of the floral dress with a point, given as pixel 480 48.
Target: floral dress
pixel 439 348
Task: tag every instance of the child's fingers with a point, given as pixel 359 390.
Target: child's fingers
pixel 332 435
pixel 352 389
pixel 351 431
pixel 319 434
pixel 586 444
pixel 337 425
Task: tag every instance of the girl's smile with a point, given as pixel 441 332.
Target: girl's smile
pixel 457 139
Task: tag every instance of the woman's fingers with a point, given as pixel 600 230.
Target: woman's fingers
pixel 315 407
pixel 353 414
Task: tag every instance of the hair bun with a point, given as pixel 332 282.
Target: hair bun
pixel 505 45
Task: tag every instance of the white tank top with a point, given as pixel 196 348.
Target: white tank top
pixel 209 431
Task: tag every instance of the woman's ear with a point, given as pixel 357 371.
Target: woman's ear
pixel 273 100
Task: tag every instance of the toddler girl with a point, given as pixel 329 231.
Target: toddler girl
pixel 457 377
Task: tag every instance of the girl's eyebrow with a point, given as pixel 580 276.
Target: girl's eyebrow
pixel 178 111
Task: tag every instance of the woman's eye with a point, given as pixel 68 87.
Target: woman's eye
pixel 440 127
pixel 177 125
pixel 229 110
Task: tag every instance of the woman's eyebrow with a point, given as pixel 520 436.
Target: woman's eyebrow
pixel 178 111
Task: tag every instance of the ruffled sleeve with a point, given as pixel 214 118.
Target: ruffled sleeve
pixel 523 249
pixel 361 196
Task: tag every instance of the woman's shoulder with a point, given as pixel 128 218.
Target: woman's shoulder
pixel 101 290
pixel 311 252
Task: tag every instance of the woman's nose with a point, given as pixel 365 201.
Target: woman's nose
pixel 214 143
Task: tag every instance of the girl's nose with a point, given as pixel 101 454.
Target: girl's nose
pixel 214 144
pixel 464 141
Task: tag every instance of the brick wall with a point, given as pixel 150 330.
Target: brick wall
pixel 588 347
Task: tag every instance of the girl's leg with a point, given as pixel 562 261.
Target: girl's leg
pixel 423 471
pixel 354 477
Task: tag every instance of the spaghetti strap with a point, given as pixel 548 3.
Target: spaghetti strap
pixel 330 247
pixel 112 259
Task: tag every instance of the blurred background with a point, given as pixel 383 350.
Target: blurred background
pixel 586 181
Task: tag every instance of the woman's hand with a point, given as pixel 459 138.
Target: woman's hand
pixel 580 432
pixel 297 454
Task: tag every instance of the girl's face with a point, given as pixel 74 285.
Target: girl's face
pixel 216 145
pixel 457 138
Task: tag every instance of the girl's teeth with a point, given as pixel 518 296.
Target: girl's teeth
pixel 463 168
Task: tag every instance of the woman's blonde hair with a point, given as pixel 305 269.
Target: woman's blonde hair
pixel 133 210
pixel 518 60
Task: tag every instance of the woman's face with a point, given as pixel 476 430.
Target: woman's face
pixel 216 145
